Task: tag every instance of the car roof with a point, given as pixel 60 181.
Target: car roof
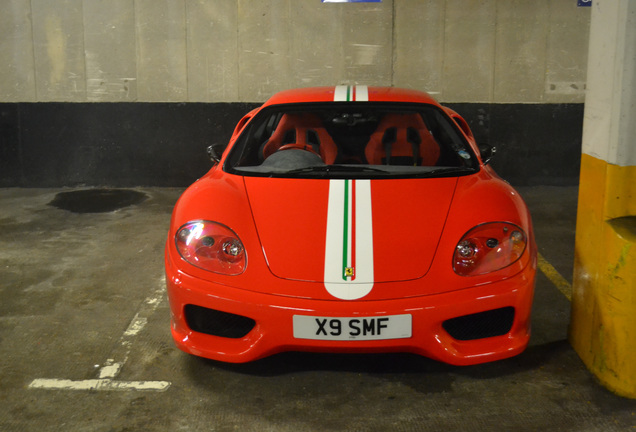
pixel 350 93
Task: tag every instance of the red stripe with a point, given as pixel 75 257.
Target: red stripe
pixel 353 229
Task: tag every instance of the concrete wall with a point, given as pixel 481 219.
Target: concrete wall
pixel 109 92
pixel 486 51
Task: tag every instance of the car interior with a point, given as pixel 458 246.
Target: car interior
pixel 286 139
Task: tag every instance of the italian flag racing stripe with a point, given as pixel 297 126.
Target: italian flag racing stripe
pixel 349 234
pixel 346 93
pixel 349 242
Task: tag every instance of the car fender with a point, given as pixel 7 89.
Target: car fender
pixel 479 199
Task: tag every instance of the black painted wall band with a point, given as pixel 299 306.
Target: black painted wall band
pixel 163 144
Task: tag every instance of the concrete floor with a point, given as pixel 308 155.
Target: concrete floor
pixel 83 305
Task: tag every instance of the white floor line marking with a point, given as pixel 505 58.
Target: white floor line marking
pixel 110 370
pixel 98 384
pixel 113 365
pixel 136 325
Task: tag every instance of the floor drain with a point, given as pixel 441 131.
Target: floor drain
pixel 97 200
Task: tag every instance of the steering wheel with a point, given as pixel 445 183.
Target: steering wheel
pixel 297 147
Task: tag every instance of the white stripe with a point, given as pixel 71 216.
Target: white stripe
pixel 120 356
pixel 362 93
pixel 136 325
pixel 363 283
pixel 340 95
pixel 110 370
pixel 364 234
pixel 335 228
pixel 114 364
pixel 97 384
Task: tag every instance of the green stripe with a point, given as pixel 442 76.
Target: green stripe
pixel 348 93
pixel 345 230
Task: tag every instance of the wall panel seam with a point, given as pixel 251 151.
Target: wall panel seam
pixel 35 69
pixel 84 56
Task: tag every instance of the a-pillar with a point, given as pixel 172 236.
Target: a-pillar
pixel 603 324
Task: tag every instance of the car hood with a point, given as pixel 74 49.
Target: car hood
pixel 349 234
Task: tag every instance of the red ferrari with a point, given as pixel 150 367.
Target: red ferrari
pixel 351 219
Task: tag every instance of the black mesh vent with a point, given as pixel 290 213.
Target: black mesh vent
pixel 481 325
pixel 217 323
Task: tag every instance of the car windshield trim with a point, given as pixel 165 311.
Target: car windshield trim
pixel 350 129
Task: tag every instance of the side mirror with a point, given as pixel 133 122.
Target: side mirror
pixel 486 152
pixel 215 151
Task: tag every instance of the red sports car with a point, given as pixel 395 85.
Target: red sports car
pixel 351 219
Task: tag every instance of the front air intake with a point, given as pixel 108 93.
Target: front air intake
pixel 217 323
pixel 481 325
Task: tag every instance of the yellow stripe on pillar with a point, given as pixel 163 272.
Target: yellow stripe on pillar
pixel 603 323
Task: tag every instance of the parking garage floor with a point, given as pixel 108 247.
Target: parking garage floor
pixel 85 342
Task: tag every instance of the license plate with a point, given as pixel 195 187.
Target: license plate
pixel 352 328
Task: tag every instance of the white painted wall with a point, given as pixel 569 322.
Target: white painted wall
pixel 609 131
pixel 501 51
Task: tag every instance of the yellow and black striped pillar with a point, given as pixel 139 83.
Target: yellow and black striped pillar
pixel 603 323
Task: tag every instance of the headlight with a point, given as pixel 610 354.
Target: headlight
pixel 211 246
pixel 489 247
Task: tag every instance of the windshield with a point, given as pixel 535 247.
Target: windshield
pixel 356 140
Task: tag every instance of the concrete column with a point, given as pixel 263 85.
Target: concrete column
pixel 603 324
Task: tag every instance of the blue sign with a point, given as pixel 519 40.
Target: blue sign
pixel 584 3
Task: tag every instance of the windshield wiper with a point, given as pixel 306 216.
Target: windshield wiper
pixel 449 171
pixel 355 169
pixel 385 171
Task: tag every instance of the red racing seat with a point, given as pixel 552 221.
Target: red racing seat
pixel 302 131
pixel 402 139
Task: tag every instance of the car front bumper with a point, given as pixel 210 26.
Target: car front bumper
pixel 272 319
